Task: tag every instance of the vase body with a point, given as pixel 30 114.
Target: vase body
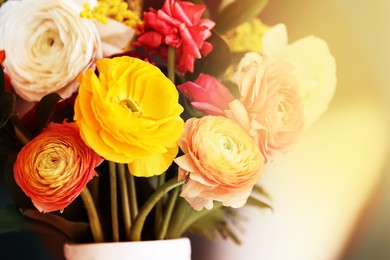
pixel 172 249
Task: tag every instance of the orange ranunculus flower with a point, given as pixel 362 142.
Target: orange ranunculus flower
pixel 54 167
pixel 130 114
pixel 221 161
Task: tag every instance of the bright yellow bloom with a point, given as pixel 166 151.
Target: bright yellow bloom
pixel 130 114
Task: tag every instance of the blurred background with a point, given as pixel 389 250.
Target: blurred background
pixel 331 196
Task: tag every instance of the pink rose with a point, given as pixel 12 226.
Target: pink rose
pixel 54 167
pixel 221 162
pixel 207 94
pixel 271 107
pixel 177 24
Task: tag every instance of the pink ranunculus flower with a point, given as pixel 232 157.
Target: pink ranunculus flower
pixel 221 162
pixel 177 24
pixel 207 94
pixel 55 166
pixel 271 107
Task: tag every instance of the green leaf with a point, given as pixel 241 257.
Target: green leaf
pixel 74 231
pixel 216 62
pixel 11 219
pixel 259 190
pixel 7 103
pixel 255 202
pixel 189 110
pixel 46 108
pixel 16 193
pixel 8 141
pixel 185 216
pixel 227 233
pixel 237 13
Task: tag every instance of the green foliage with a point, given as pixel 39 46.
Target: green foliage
pixel 18 196
pixel 259 197
pixel 189 110
pixel 46 108
pixel 11 219
pixel 50 222
pixel 7 107
pixel 216 62
pixel 238 12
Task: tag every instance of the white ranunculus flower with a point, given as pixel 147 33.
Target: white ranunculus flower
pixel 47 45
pixel 314 68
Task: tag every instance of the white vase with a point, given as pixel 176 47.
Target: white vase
pixel 172 249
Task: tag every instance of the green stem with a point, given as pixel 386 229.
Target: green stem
pixel 132 197
pixel 114 202
pixel 93 217
pixel 171 63
pixel 168 214
pixel 138 224
pixel 20 132
pixel 159 206
pixel 124 197
pixel 185 216
pixel 161 177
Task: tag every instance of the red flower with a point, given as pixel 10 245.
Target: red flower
pixel 177 24
pixel 7 80
pixel 207 94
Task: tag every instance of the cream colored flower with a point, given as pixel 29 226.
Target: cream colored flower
pixel 314 68
pixel 47 44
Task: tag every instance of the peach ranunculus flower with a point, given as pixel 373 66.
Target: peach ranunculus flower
pixel 221 162
pixel 270 107
pixel 130 114
pixel 47 44
pixel 54 167
pixel 313 66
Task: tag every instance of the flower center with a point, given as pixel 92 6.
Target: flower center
pixel 132 106
pixel 47 43
pixel 227 144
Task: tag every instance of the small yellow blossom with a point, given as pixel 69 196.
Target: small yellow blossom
pixel 114 9
pixel 246 37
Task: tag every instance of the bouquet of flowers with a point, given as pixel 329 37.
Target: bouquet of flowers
pixel 146 120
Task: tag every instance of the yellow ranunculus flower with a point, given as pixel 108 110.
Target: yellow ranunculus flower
pixel 130 114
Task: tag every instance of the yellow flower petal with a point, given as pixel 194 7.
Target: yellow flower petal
pixel 153 165
pixel 130 114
